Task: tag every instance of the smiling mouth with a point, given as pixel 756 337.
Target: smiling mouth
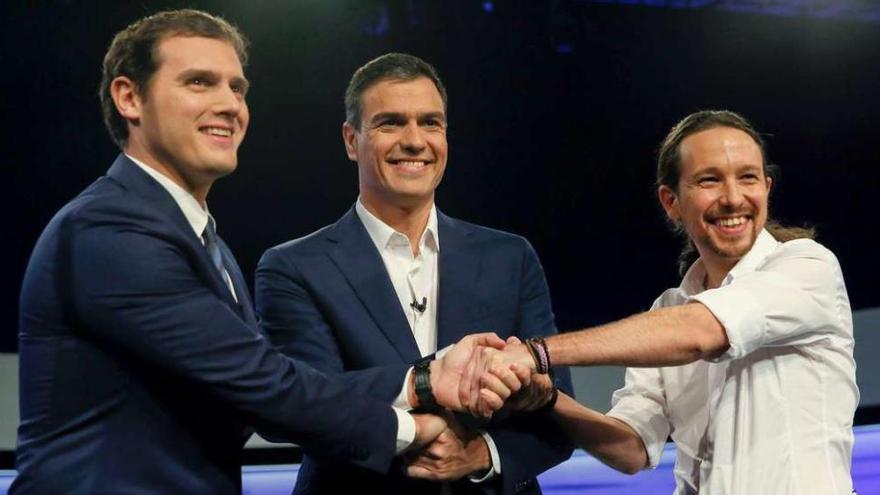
pixel 216 131
pixel 409 164
pixel 731 225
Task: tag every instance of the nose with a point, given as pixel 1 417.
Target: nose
pixel 731 194
pixel 412 139
pixel 229 102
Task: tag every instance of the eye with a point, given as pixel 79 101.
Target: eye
pixel 707 180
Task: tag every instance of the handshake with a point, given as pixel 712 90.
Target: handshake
pixel 482 373
pixel 479 375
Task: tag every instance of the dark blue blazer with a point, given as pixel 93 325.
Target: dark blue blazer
pixel 327 299
pixel 139 371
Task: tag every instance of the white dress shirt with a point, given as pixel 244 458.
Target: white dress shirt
pixel 773 414
pixel 416 279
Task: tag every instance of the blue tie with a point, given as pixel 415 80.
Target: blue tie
pixel 210 238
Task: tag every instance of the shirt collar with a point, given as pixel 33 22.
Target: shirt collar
pixel 192 210
pixel 383 235
pixel 692 283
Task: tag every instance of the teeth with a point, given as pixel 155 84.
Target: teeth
pixel 412 164
pixel 216 131
pixel 731 222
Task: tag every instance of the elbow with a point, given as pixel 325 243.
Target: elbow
pixel 708 337
pixel 629 465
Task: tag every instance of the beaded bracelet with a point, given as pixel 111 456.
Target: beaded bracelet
pixel 538 349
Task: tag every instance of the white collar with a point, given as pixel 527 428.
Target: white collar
pixel 382 234
pixel 692 283
pixel 188 204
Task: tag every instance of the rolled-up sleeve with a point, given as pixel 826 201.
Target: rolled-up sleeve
pixel 794 299
pixel 641 404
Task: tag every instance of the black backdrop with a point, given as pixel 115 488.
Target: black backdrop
pixel 556 109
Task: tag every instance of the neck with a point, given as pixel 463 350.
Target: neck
pixel 198 189
pixel 411 221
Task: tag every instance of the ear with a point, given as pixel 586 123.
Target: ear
pixel 349 136
pixel 126 98
pixel 669 202
pixel 769 185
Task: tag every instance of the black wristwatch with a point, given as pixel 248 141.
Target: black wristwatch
pixel 422 373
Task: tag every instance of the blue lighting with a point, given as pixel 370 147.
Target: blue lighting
pixel 488 7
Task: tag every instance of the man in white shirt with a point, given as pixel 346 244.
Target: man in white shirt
pixel 748 364
pixel 395 280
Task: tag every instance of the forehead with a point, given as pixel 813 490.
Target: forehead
pixel 719 147
pixel 418 95
pixel 188 52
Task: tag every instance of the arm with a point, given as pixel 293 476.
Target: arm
pixel 662 337
pixel 137 292
pixel 608 439
pixel 292 319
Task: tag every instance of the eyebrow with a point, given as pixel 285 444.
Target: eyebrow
pixel 401 116
pixel 715 169
pixel 212 75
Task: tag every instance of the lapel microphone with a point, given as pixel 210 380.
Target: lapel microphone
pixel 419 307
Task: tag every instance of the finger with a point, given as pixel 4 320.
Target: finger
pixel 522 373
pixel 489 339
pixel 465 385
pixel 495 384
pixel 508 377
pixel 513 340
pixel 421 472
pixel 490 402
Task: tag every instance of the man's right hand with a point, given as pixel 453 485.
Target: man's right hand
pixel 456 384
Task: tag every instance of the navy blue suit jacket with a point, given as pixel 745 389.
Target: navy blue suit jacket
pixel 327 299
pixel 139 371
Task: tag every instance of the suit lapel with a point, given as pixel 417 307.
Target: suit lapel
pixel 135 180
pixel 354 253
pixel 244 306
pixel 459 268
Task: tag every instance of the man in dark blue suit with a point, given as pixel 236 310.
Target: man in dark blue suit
pixel 141 362
pixel 395 280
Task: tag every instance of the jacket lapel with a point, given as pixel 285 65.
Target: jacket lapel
pixel 135 180
pixel 354 253
pixel 459 268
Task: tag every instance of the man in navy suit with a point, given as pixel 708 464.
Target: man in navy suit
pixel 395 280
pixel 141 362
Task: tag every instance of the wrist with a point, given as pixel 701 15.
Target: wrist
pixel 423 385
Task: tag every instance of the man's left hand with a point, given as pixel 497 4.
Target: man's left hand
pixel 456 453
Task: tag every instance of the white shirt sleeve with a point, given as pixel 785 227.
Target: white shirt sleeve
pixel 641 404
pixel 406 429
pixel 494 458
pixel 796 298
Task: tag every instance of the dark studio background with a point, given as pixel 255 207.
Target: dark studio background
pixel 555 108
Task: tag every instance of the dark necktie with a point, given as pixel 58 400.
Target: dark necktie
pixel 210 238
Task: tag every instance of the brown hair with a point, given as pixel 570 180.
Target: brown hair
pixel 133 54
pixel 396 66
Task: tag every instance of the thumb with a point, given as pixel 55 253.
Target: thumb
pixel 513 340
pixel 489 339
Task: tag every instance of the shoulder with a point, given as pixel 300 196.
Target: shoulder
pixel 806 252
pixel 307 246
pixel 485 235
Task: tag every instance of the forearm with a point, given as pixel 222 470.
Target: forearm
pixel 663 337
pixel 608 439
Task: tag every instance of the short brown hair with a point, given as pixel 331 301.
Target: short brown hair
pixel 133 54
pixel 669 171
pixel 395 66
